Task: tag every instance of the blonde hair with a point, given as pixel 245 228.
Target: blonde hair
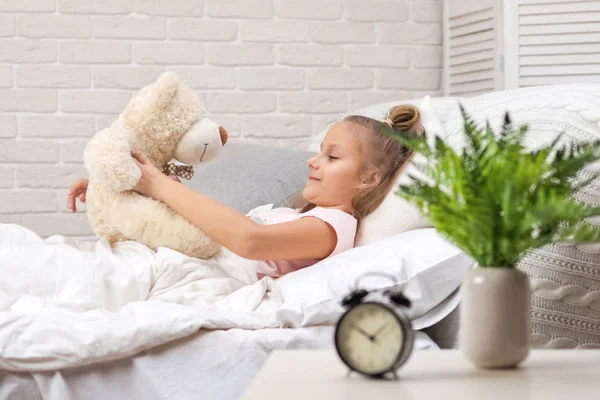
pixel 382 153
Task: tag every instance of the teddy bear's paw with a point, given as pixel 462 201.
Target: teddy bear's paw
pixel 179 234
pixel 204 249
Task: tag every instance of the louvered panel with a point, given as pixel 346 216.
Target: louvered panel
pixel 475 47
pixel 560 49
pixel 472 57
pixel 475 93
pixel 464 83
pixel 469 87
pixel 470 18
pixel 471 39
pixel 561 7
pixel 581 69
pixel 471 49
pixel 462 30
pixel 558 80
pixel 474 76
pixel 565 59
pixel 560 18
pixel 471 67
pixel 559 42
pixel 560 28
pixel 560 39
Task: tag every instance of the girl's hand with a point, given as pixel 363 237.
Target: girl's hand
pixel 78 190
pixel 152 180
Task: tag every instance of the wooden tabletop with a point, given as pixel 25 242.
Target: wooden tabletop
pixel 430 375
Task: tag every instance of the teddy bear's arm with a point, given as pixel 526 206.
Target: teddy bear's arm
pixel 107 158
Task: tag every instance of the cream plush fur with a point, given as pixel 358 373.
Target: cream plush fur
pixel 164 120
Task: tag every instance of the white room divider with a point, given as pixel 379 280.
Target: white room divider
pixel 502 44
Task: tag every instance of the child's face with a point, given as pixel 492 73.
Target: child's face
pixel 334 173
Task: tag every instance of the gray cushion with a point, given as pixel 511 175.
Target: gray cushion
pixel 245 176
pixel 445 332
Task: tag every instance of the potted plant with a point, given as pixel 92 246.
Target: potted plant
pixel 495 201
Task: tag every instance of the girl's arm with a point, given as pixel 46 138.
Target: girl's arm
pixel 306 238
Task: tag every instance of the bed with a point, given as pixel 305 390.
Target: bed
pixel 119 321
pixel 208 359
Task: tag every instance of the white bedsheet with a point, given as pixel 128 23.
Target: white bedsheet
pixel 207 365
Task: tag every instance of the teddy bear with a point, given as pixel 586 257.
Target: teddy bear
pixel 165 120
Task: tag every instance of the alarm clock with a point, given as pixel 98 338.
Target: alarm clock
pixel 374 336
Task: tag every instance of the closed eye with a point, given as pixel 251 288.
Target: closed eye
pixel 333 158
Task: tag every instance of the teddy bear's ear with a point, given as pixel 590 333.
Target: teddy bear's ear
pixel 164 90
pixel 144 108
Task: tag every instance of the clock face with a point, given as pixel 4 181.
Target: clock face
pixel 370 338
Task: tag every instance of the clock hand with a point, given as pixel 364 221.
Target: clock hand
pixel 364 333
pixel 381 329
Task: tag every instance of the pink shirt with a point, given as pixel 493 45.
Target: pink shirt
pixel 344 225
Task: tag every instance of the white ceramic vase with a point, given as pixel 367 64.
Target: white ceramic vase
pixel 495 317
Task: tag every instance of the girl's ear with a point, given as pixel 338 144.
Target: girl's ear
pixel 371 180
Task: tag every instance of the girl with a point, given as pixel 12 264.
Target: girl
pixel 348 179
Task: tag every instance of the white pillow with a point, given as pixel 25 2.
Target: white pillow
pixel 428 268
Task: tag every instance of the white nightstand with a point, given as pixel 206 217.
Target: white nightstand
pixel 430 375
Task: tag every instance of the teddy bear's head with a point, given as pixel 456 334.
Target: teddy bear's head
pixel 167 120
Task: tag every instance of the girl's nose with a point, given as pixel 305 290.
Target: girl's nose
pixel 311 162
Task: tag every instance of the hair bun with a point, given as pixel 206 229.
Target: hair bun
pixel 405 117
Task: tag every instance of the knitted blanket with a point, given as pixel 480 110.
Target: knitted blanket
pixel 565 278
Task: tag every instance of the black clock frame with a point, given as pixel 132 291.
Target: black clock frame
pixel 404 353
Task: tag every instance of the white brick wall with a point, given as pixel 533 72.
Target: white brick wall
pixel 272 71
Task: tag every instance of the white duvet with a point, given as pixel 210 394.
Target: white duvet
pixel 67 303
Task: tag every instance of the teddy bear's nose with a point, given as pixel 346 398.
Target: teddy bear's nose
pixel 223 134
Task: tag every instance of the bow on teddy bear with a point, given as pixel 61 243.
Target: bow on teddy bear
pixel 165 120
